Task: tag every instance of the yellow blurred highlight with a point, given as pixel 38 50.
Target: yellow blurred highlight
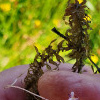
pixel 88 17
pixel 5 7
pixel 80 1
pixel 37 23
pixel 94 58
pixel 16 45
pixel 12 0
pixel 98 51
pixel 4 61
pixel 40 47
pixel 56 22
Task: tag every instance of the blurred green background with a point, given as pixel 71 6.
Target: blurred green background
pixel 25 23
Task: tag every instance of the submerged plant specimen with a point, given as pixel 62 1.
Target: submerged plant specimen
pixel 76 36
pixel 76 39
pixel 35 70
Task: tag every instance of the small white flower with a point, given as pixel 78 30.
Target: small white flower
pixel 72 97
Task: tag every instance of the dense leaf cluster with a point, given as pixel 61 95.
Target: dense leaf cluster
pixel 77 36
pixel 76 39
pixel 42 59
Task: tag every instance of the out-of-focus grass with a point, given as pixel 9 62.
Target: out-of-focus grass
pixel 25 23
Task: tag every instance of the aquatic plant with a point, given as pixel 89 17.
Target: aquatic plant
pixel 76 39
